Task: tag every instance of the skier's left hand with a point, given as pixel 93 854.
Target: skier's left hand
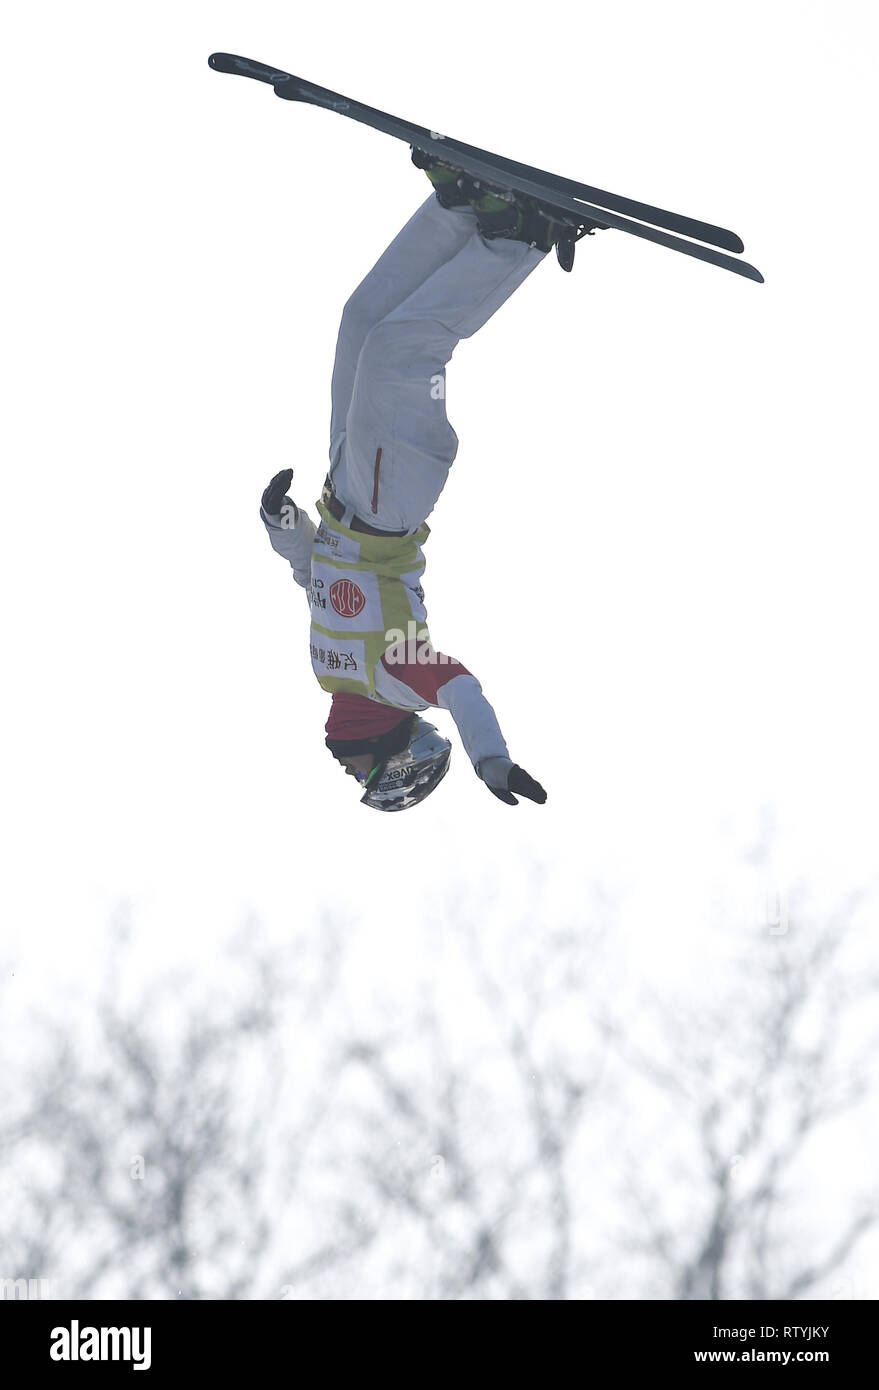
pixel 276 491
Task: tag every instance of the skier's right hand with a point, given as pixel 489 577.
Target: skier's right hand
pixel 519 781
pixel 276 491
pixel 503 778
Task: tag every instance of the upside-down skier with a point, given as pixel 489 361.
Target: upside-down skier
pixel 452 266
pixel 464 252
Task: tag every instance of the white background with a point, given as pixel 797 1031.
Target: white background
pixel 692 453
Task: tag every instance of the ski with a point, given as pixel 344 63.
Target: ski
pixel 644 212
pixel 563 195
pixel 657 217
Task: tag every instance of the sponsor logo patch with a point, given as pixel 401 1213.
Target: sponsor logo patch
pixel 347 598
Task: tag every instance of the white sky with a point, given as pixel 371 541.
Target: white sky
pixel 695 454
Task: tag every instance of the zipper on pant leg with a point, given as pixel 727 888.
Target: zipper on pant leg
pixel 375 473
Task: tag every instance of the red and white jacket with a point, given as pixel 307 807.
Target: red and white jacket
pixel 426 679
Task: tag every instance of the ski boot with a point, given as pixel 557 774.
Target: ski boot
pixel 500 213
pixel 519 218
pixel 444 177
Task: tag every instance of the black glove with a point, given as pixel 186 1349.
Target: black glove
pixel 519 781
pixel 276 492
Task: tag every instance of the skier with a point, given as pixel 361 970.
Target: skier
pixel 454 263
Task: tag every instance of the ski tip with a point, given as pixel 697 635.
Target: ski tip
pixel 743 268
pixel 229 62
pixel 244 67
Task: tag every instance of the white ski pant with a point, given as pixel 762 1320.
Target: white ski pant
pixel 391 445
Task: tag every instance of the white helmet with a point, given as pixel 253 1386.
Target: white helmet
pixel 407 777
pixel 403 775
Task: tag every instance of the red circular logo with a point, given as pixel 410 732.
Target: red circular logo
pixel 346 598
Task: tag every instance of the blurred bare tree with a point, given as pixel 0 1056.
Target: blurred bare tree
pixel 503 1133
pixel 747 1085
pixel 137 1162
